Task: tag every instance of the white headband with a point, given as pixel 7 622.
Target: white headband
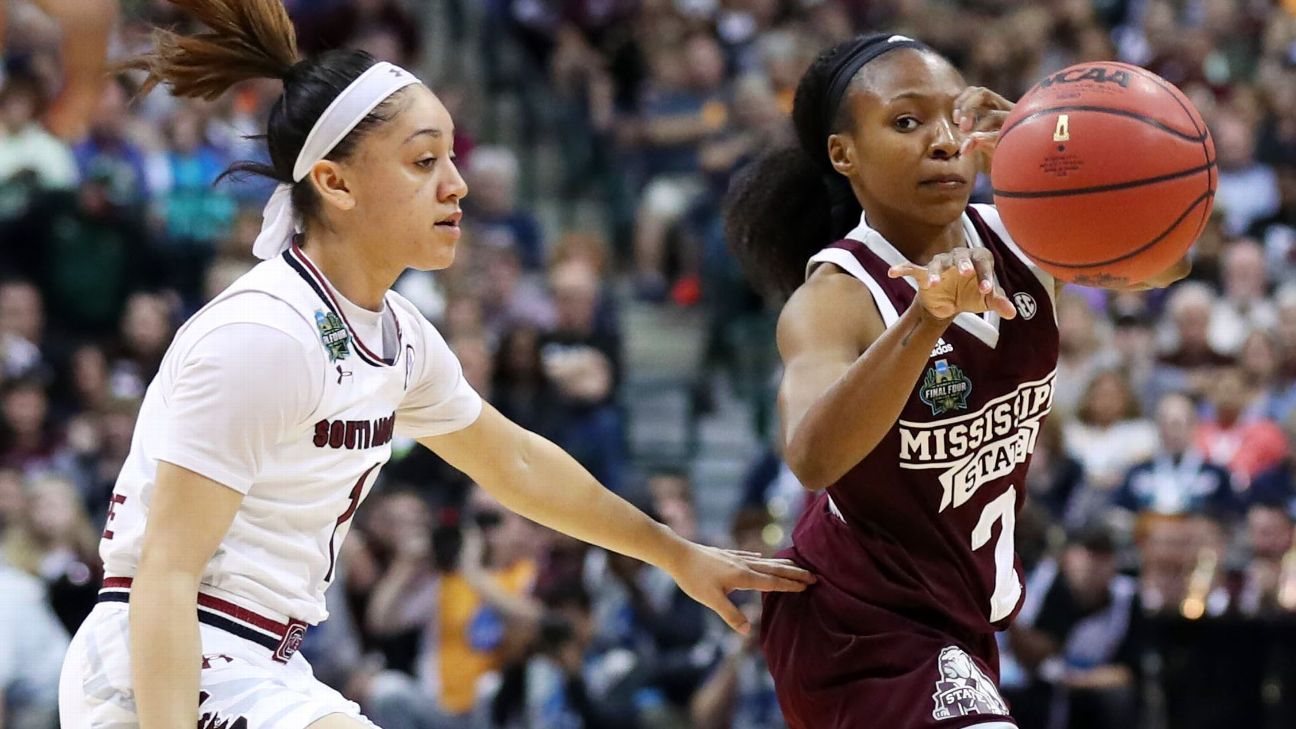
pixel 279 221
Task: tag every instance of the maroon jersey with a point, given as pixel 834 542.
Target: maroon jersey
pixel 934 504
pixel 914 545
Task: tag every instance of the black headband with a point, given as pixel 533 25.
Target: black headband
pixel 852 61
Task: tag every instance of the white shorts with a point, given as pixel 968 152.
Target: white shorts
pixel 242 685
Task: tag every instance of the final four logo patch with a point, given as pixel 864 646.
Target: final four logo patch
pixel 333 334
pixel 945 388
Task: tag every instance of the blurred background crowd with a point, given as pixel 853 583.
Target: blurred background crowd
pixel 594 300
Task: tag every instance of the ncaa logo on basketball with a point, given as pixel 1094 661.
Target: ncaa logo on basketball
pixel 1025 304
pixel 1097 74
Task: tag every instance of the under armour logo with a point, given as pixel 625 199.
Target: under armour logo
pixel 342 373
pixel 208 660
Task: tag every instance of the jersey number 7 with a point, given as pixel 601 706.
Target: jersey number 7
pixel 1007 588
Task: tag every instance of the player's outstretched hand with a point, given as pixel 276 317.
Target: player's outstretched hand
pixel 709 574
pixel 979 114
pixel 957 281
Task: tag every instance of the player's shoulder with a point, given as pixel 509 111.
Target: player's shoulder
pixel 264 301
pixel 824 293
pixel 831 305
pixel 276 285
pixel 253 308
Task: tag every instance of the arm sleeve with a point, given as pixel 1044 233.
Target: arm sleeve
pixel 438 400
pixel 235 394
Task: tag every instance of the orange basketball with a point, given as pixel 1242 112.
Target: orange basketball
pixel 1104 174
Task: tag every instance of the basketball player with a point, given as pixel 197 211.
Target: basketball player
pixel 919 353
pixel 276 404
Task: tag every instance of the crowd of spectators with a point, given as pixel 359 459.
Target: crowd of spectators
pixel 1158 537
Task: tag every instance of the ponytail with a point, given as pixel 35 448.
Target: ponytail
pixel 244 40
pixel 250 39
pixel 779 212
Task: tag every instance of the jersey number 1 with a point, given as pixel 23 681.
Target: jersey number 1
pixel 1007 588
pixel 353 503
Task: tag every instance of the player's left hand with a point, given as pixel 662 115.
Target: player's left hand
pixel 979 114
pixel 709 574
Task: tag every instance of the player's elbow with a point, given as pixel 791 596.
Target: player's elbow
pixel 157 563
pixel 808 465
pixel 161 581
pixel 813 479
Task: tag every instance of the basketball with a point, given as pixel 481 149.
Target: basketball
pixel 1104 174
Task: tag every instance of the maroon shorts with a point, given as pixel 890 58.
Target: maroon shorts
pixel 840 663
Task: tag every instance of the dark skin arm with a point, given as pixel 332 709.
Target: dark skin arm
pixel 847 376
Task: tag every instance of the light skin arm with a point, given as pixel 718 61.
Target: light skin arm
pixel 188 517
pixel 846 376
pixel 535 478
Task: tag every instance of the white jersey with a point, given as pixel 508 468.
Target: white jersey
pixel 287 393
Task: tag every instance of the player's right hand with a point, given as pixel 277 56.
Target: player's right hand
pixel 980 113
pixel 709 574
pixel 957 281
